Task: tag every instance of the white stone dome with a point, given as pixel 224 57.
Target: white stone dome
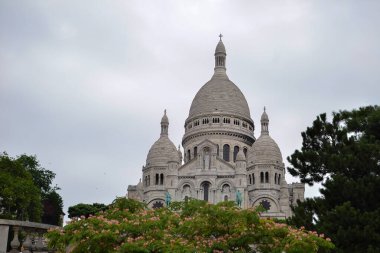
pixel 265 150
pixel 162 152
pixel 220 95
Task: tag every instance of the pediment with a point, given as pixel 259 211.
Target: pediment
pixel 208 144
pixel 223 166
pixel 188 168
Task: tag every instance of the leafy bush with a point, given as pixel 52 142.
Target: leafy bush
pixel 193 226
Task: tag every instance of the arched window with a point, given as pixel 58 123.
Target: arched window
pixel 206 187
pixel 188 155
pixel 157 179
pixel 206 158
pixel 275 178
pixel 161 179
pixel 253 178
pixel 225 198
pixel 261 177
pixel 226 152
pixel 279 179
pixel 217 150
pixel 266 177
pixel 250 179
pixel 245 150
pixel 236 151
pixel 226 188
pixel 195 152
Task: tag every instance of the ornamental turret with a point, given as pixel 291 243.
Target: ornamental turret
pixel 220 56
pixel 164 124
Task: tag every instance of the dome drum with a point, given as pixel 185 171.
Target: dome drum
pixel 219 128
pixel 241 137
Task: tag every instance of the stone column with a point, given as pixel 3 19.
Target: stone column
pixel 27 244
pixel 40 245
pixel 15 243
pixel 4 231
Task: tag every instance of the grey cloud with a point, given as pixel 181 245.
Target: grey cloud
pixel 83 85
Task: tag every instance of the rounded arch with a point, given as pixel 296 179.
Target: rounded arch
pixel 205 181
pixel 226 188
pixel 236 151
pixel 206 187
pixel 245 151
pixel 156 203
pixel 225 181
pixel 226 152
pixel 257 200
pixel 186 181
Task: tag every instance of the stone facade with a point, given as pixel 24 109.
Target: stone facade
pixel 222 159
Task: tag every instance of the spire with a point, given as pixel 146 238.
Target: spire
pixel 164 124
pixel 220 56
pixel 264 123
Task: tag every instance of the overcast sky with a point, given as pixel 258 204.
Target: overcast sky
pixel 83 84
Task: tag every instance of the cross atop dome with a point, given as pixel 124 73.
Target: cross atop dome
pixel 220 37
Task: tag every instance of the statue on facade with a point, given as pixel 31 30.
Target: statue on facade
pixel 168 199
pixel 239 198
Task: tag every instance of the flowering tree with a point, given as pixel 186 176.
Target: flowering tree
pixel 193 226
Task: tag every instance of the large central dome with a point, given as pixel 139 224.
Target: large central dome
pixel 219 109
pixel 220 95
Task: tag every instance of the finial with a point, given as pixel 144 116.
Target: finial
pixel 220 37
pixel 165 111
pixel 179 146
pixel 264 108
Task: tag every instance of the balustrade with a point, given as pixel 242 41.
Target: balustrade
pixel 32 234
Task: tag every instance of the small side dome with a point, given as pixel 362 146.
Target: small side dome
pixel 162 152
pixel 265 150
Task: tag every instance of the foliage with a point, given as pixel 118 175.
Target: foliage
pixel 42 177
pixel 344 154
pixel 20 197
pixel 52 206
pixel 85 210
pixel 194 226
pixel 26 190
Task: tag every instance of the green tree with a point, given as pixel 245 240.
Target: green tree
pixel 343 154
pixel 52 208
pixel 85 210
pixel 20 197
pixel 52 202
pixel 28 188
pixel 194 226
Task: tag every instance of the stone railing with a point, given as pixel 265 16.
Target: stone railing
pixel 33 236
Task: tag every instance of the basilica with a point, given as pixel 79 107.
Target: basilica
pixel 222 159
